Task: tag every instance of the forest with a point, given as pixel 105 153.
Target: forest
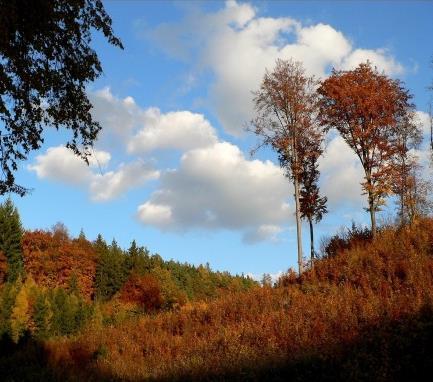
pixel 359 306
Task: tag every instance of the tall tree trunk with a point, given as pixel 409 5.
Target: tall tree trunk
pixel 402 215
pixel 371 203
pixel 372 213
pixel 298 226
pixel 312 253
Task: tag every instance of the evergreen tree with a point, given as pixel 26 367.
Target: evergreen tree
pixel 42 316
pixel 82 236
pixel 111 270
pixel 10 239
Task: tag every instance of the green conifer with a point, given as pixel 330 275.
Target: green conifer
pixel 10 239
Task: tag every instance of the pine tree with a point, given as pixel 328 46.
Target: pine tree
pixel 82 236
pixel 10 240
pixel 111 271
pixel 42 316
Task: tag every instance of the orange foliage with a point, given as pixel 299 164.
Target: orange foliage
pixel 54 263
pixel 143 291
pixel 322 314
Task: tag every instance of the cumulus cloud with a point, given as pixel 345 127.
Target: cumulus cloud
pixel 379 57
pixel 181 130
pixel 236 44
pixel 217 188
pixel 341 175
pixel 61 165
pixel 110 185
pixel 264 232
pixel 116 115
pixel 145 130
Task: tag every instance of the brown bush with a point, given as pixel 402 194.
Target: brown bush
pixel 143 291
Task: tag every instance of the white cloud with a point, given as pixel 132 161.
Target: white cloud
pixel 155 214
pixel 237 45
pixel 264 232
pixel 61 165
pixel 110 185
pixel 145 130
pixel 217 188
pixel 181 130
pixel 341 175
pixel 116 115
pixel 379 57
pixel 424 121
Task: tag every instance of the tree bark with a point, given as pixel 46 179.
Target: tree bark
pixel 372 214
pixel 298 226
pixel 371 204
pixel 312 253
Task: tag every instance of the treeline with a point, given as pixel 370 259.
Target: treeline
pixel 363 313
pixel 52 284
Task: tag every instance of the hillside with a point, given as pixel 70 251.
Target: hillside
pixel 364 312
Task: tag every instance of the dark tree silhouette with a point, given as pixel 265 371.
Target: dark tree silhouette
pixel 11 233
pixel 313 206
pixel 45 63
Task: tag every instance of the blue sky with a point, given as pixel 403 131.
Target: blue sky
pixel 172 168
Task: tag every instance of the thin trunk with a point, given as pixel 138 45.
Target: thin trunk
pixel 298 227
pixel 402 219
pixel 404 191
pixel 312 253
pixel 372 214
pixel 371 204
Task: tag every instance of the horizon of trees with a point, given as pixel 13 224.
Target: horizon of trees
pixel 53 285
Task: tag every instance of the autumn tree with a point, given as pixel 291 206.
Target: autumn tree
pixel 286 108
pixel 10 239
pixel 46 63
pixel 54 260
pixel 145 291
pixel 415 194
pixel 365 107
pixel 406 180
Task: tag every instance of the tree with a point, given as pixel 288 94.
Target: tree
pixel 145 291
pixel 111 270
pixel 266 280
pixel 415 198
pixel 286 109
pixel 46 62
pixel 406 179
pixel 365 107
pixel 313 206
pixel 11 233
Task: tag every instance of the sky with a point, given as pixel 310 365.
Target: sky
pixel 173 168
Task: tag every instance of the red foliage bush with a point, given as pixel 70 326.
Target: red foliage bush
pixel 143 291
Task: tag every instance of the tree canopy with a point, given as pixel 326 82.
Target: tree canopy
pixel 46 60
pixel 368 109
